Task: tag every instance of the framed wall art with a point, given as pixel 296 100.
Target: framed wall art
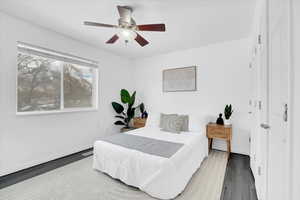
pixel 180 79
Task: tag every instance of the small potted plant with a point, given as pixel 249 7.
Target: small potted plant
pixel 227 113
pixel 144 114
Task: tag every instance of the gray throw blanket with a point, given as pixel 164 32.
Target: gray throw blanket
pixel 146 145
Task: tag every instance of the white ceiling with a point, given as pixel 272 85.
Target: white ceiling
pixel 189 23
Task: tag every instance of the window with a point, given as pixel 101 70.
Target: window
pixel 50 81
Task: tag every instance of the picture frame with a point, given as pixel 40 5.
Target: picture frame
pixel 181 79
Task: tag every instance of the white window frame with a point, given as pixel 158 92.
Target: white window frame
pixel 67 58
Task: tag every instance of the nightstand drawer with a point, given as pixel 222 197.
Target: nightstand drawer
pixel 217 129
pixel 217 134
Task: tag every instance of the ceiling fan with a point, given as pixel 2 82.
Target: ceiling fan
pixel 128 27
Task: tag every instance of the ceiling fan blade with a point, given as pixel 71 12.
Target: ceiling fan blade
pixel 100 24
pixel 142 41
pixel 113 39
pixel 125 13
pixel 152 27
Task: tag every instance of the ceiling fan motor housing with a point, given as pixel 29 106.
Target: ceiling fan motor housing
pixel 127 25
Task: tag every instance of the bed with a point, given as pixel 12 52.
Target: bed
pixel 162 173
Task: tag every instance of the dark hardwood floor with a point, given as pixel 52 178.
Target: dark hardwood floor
pixel 238 183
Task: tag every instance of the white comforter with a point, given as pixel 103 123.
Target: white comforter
pixel 160 177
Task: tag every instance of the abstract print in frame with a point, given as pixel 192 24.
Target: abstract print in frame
pixel 180 79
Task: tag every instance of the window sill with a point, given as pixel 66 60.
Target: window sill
pixel 57 111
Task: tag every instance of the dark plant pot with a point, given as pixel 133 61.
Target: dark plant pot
pixel 144 115
pixel 220 120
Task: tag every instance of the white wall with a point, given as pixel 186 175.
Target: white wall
pixel 223 78
pixel 295 109
pixel 29 140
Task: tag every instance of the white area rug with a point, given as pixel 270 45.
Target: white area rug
pixel 78 181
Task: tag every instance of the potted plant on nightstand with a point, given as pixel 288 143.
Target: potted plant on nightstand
pixel 139 122
pixel 227 113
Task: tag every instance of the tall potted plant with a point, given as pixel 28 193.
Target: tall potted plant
pixel 125 116
pixel 227 113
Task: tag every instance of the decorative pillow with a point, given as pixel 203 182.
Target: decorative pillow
pixel 163 118
pixel 185 122
pixel 172 123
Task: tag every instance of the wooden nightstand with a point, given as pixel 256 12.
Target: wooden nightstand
pixel 215 131
pixel 139 122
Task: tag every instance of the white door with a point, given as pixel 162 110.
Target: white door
pixel 278 97
pixel 270 167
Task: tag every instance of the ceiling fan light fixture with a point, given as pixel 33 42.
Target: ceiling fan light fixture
pixel 127 34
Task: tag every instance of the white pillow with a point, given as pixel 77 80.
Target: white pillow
pixel 196 123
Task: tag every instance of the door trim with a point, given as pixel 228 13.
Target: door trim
pixel 290 101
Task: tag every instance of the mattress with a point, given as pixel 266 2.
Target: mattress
pixel 160 177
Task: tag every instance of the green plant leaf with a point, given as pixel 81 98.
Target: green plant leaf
pixel 119 116
pixel 125 96
pixel 117 107
pixel 126 120
pixel 130 113
pixel 142 107
pixel 119 123
pixel 228 111
pixel 128 110
pixel 132 98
